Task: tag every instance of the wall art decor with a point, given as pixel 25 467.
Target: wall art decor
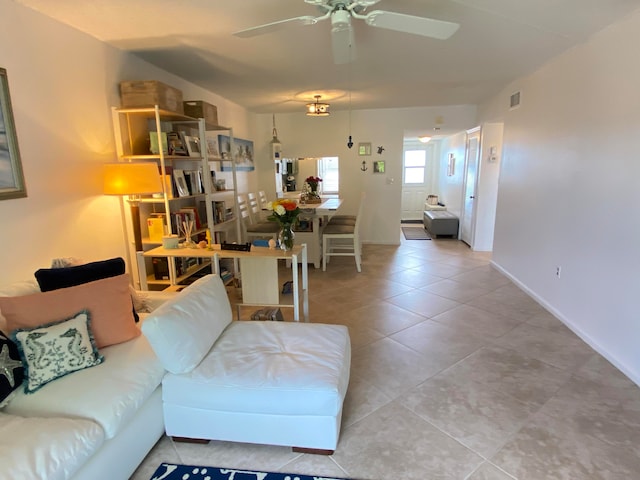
pixel 11 178
pixel 242 155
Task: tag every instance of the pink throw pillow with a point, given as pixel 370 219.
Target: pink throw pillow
pixel 107 300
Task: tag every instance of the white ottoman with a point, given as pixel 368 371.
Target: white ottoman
pixel 265 382
pixel 275 383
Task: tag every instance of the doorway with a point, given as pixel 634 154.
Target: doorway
pixel 472 157
pixel 417 179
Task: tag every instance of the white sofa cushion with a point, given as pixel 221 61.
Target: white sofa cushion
pixel 279 368
pixel 183 329
pixel 46 448
pixel 110 393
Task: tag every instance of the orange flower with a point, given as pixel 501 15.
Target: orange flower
pixel 289 205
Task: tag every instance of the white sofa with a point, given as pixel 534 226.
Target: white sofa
pixel 97 423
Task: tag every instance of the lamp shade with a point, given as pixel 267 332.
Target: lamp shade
pixel 131 179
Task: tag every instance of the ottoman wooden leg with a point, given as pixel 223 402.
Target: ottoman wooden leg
pixel 313 451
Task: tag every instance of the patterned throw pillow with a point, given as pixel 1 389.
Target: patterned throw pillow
pixel 56 349
pixel 11 369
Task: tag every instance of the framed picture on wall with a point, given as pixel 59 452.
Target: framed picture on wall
pixel 11 177
pixel 242 153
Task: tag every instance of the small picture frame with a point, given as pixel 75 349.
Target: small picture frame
pixel 181 183
pixel 364 149
pixel 193 145
pixel 176 145
pixel 378 167
pixel 213 151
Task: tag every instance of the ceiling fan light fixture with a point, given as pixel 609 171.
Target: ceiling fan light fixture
pixel 424 138
pixel 317 109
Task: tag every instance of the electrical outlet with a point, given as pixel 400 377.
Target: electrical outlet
pixel 558 271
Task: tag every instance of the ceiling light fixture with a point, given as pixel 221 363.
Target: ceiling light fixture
pixel 317 109
pixel 424 138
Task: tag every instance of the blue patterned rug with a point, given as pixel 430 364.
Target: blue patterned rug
pixel 168 471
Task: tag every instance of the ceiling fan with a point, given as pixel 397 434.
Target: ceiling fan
pixel 341 11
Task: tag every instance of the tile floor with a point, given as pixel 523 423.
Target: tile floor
pixel 456 374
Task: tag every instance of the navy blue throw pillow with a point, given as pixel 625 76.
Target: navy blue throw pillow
pixel 55 278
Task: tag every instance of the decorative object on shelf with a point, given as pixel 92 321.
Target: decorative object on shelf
pixel 181 182
pixel 285 212
pixel 170 241
pixel 134 180
pixel 318 109
pixel 378 167
pixel 176 144
pixel 238 247
pixel 310 192
pixel 187 231
pixel 11 179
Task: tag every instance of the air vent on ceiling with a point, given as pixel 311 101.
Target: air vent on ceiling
pixel 514 100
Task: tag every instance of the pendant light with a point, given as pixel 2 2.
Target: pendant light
pixel 317 109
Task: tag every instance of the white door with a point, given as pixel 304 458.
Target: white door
pixel 416 179
pixel 467 222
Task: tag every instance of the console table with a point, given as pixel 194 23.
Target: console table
pixel 258 270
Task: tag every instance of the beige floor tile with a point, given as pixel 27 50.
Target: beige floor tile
pixel 413 278
pixel 551 448
pixel 560 349
pixel 440 345
pixel 599 369
pixel 363 398
pixel 611 414
pixel 455 290
pixel 475 414
pixel 163 452
pixel 235 455
pixel 384 317
pixel 391 367
pixel 316 465
pixel 466 318
pixel 508 371
pixel 394 443
pixel 423 303
pixel 488 471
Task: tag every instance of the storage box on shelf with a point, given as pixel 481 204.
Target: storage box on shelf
pixel 148 93
pixel 189 194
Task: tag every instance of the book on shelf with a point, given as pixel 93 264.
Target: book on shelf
pixel 156 226
pixel 219 212
pixel 192 214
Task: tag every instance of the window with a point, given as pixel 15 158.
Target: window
pixel 329 173
pixel 414 166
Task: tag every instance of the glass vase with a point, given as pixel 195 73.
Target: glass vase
pixel 286 236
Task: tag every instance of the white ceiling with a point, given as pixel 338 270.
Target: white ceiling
pixel 498 41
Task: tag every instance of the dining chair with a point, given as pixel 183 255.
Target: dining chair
pixel 342 240
pixel 347 219
pixel 252 229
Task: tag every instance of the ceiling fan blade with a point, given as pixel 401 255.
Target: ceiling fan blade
pixel 344 49
pixel 427 27
pixel 272 27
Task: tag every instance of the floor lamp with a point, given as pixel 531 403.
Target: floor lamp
pixel 134 180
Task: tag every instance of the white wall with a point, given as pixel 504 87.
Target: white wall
pixel 568 193
pixel 63 85
pixel 450 187
pixel 303 136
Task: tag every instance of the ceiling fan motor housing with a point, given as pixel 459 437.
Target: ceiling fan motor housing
pixel 340 20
